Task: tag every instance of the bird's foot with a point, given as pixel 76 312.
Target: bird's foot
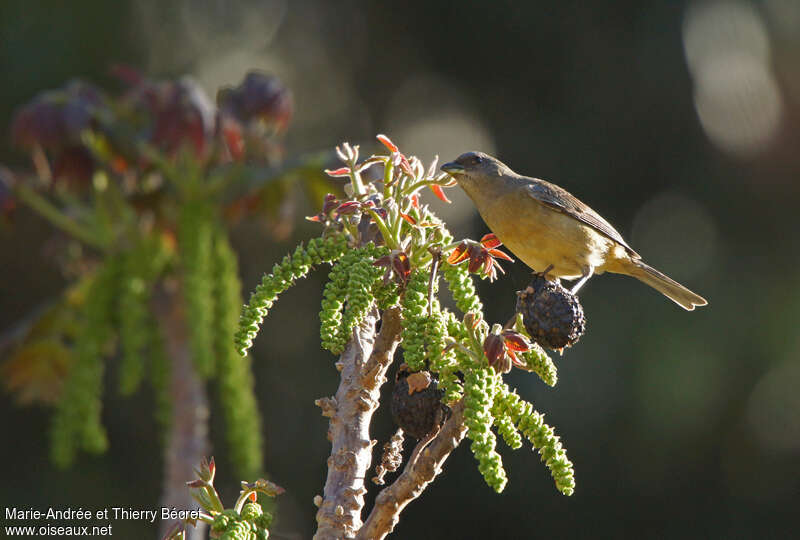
pixel 544 273
pixel 587 273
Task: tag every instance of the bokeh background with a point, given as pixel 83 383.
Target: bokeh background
pixel 679 122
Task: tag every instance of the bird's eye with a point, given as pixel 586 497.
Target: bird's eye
pixel 477 159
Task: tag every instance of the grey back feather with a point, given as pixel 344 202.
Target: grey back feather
pixel 563 201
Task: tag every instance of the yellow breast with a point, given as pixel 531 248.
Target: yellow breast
pixel 541 236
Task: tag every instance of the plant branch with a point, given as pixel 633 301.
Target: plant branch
pixel 363 365
pixel 388 237
pixel 415 478
pixel 187 440
pixel 385 345
pixel 51 213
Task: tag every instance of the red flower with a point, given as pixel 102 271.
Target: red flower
pixel 342 171
pixel 329 204
pixel 56 119
pixel 500 350
pixel 408 218
pixel 349 207
pixel 177 113
pixel 398 159
pixel 332 208
pixel 233 138
pixel 259 99
pixel 398 266
pixel 388 143
pixel 439 192
pixel 482 256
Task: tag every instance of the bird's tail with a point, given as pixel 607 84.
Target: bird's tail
pixel 665 285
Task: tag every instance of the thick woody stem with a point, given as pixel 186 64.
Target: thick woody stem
pixel 187 440
pixel 363 365
pixel 415 478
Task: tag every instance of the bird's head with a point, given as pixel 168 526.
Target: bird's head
pixel 475 168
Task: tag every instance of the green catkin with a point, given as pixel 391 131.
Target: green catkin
pixel 290 268
pixel 330 314
pixel 221 523
pixel 235 378
pixel 456 331
pixel 264 521
pixel 77 419
pixel 415 313
pixel 160 370
pixel 505 425
pixel 360 283
pixel 478 391
pixel 387 294
pixel 541 436
pixel 134 332
pixel 333 299
pixel 195 230
pixel 455 328
pixel 348 295
pixel 539 362
pixel 353 284
pixel 442 362
pixel 137 332
pixel 251 511
pixel 507 430
pixel 238 530
pixel 460 284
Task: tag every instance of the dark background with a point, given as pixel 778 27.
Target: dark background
pixel 677 122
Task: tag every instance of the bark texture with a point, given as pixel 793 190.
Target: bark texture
pixel 363 366
pixel 187 440
pixel 415 478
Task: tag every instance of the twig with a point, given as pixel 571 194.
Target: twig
pixel 422 445
pixel 59 219
pixel 436 255
pixel 363 365
pixel 414 479
pixel 392 457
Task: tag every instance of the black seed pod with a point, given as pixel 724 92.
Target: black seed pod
pixel 421 412
pixel 552 315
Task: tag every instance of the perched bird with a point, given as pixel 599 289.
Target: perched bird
pixel 551 230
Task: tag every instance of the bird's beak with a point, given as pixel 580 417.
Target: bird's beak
pixel 453 168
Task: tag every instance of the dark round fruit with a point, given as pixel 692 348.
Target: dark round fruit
pixel 420 413
pixel 552 315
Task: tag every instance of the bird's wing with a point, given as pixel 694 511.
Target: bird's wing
pixel 563 201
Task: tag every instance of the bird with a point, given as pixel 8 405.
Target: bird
pixel 552 231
